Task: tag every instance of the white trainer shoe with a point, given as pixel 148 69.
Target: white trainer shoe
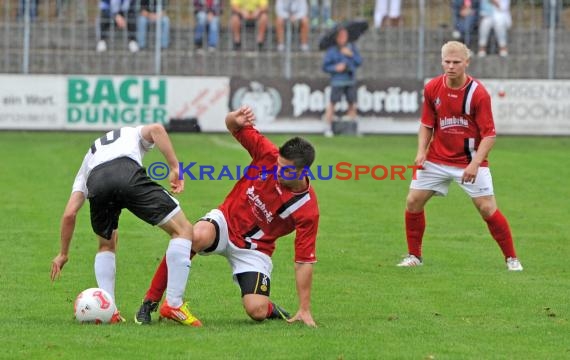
pixel 513 264
pixel 101 46
pixel 133 46
pixel 410 260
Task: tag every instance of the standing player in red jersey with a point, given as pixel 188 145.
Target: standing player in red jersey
pixel 456 134
pixel 271 200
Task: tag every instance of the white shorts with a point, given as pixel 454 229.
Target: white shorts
pixel 437 177
pixel 295 9
pixel 241 260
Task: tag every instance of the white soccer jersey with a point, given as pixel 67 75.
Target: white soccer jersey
pixel 124 142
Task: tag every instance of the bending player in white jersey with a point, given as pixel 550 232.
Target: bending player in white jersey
pixel 112 178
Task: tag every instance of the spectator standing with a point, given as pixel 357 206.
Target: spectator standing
pixel 341 62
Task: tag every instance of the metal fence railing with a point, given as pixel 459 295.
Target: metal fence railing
pixel 61 37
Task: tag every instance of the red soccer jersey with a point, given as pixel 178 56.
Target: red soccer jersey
pixel 259 210
pixel 460 118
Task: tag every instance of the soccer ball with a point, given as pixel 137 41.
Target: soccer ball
pixel 94 305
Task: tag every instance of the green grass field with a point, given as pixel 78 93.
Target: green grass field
pixel 462 304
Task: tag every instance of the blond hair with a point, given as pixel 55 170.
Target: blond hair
pixel 457 47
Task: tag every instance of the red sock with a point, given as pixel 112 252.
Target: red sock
pixel 269 309
pixel 415 226
pixel 158 283
pixel 501 232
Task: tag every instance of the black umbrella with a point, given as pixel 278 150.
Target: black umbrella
pixel 354 28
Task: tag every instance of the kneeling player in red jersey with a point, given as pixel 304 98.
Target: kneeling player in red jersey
pixel 271 200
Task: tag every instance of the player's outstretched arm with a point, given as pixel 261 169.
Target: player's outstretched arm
pixel 243 116
pixel 74 204
pixel 304 280
pixel 157 134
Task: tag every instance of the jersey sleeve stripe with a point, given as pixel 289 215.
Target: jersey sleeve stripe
pixel 292 205
pixel 469 148
pixel 469 91
pixel 289 202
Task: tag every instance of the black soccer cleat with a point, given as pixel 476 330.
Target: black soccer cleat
pixel 142 317
pixel 279 313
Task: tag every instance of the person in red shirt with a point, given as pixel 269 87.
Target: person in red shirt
pixel 271 200
pixel 456 134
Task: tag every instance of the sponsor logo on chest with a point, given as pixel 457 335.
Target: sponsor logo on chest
pixel 259 205
pixel 454 121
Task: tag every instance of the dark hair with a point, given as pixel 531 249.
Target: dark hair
pixel 298 150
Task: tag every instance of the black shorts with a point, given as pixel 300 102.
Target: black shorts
pixel 254 283
pixel 348 91
pixel 123 184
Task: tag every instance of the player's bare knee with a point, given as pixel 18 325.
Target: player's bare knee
pixel 486 210
pixel 256 306
pixel 257 312
pixel 486 206
pixel 413 203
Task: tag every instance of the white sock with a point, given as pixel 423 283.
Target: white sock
pixel 105 271
pixel 178 262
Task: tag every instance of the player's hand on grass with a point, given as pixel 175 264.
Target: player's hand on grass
pixel 57 265
pixel 470 173
pixel 304 316
pixel 176 184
